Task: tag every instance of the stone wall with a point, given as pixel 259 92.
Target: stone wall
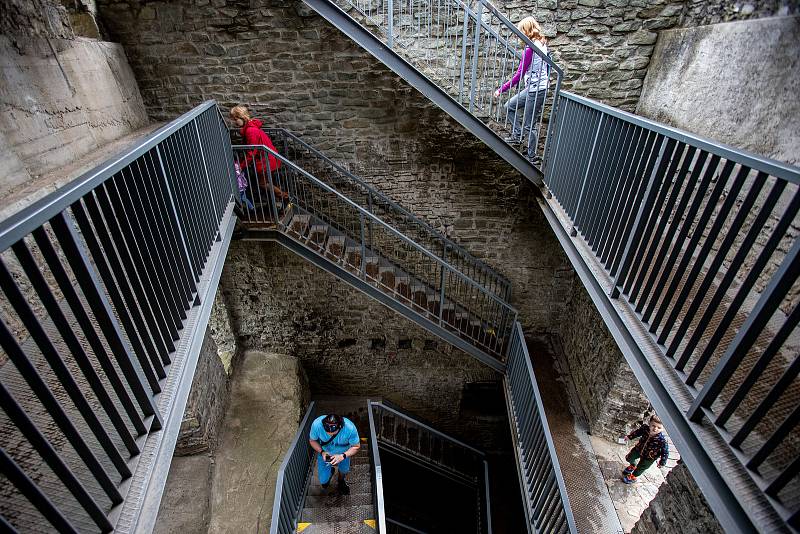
pixel 679 506
pixel 349 344
pixel 609 395
pixel 205 408
pixel 704 12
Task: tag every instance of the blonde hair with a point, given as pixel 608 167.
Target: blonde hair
pixel 531 29
pixel 240 112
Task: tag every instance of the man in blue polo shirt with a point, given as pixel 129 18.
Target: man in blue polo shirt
pixel 335 438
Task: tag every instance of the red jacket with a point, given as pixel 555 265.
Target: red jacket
pixel 254 135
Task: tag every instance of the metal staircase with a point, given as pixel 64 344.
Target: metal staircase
pixel 319 222
pixel 332 223
pixel 107 286
pixel 661 226
pixel 456 54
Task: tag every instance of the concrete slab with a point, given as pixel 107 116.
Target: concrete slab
pixel 262 418
pixel 185 508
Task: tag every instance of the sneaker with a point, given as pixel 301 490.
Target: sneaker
pixel 536 160
pixel 629 479
pixel 343 488
pixel 511 140
pixel 628 470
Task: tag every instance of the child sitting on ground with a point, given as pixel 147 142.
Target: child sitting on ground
pixel 652 445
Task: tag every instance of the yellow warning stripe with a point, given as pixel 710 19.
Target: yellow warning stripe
pixel 370 523
pixel 302 526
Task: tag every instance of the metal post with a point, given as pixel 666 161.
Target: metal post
pixel 442 281
pixel 363 245
pixel 573 232
pixel 390 38
pixel 463 54
pixel 475 47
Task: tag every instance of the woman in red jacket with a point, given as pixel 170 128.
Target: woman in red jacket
pixel 254 160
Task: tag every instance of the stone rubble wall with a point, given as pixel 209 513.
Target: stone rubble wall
pixel 679 506
pixel 205 408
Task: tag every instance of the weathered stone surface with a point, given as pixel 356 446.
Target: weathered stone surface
pixel 62 99
pixel 268 397
pixel 679 506
pixel 695 83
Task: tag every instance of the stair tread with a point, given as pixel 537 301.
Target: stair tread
pixel 334 514
pixel 338 501
pixel 339 527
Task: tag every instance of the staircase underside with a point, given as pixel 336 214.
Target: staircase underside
pixel 338 269
pixel 424 85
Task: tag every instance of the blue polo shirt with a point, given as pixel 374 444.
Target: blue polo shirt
pixel 346 438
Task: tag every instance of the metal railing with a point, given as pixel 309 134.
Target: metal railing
pixel 470 51
pixel 383 207
pixel 545 498
pixel 105 293
pixel 407 434
pixel 377 475
pixel 292 482
pixel 700 241
pixel 321 217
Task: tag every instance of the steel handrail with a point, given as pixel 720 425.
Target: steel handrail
pixel 302 431
pixel 388 227
pixel 529 408
pixel 773 167
pixel 377 193
pixel 525 39
pixel 377 489
pixel 23 222
pixel 427 427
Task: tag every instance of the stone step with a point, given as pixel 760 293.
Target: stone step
pixel 334 514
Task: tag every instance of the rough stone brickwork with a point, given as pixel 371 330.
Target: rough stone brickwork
pixel 679 506
pixel 206 405
pixel 347 343
pixel 220 328
pixel 702 12
pixel 610 397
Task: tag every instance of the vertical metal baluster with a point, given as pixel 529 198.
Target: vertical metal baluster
pixel 475 48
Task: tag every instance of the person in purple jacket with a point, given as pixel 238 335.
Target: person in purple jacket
pixel 525 108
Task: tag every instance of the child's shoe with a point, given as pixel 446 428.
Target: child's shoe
pixel 629 479
pixel 628 470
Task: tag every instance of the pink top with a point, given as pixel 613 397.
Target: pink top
pixel 527 55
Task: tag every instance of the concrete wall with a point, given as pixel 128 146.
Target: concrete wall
pixel 63 98
pixel 736 83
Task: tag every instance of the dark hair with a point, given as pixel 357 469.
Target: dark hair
pixel 332 422
pixel 656 419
